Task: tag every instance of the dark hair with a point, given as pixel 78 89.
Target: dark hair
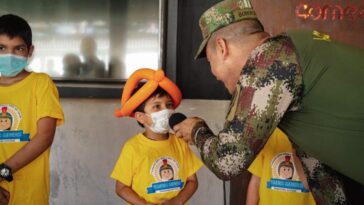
pixel 15 26
pixel 159 92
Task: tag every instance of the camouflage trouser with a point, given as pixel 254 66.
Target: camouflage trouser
pixel 325 184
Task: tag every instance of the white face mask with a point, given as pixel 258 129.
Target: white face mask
pixel 160 121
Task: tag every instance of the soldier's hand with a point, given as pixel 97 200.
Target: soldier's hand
pixel 184 129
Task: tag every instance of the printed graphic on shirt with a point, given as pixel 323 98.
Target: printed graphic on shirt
pixel 284 176
pixel 10 118
pixel 165 172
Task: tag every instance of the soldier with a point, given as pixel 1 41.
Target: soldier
pixel 299 81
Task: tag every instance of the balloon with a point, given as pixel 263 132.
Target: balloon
pixel 154 79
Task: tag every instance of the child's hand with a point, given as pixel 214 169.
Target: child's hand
pixel 4 196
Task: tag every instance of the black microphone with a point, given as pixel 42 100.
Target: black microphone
pixel 176 118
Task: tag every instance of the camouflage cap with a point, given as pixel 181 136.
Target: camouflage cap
pixel 221 15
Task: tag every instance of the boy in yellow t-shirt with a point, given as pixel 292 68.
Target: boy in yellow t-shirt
pixel 154 167
pixel 29 113
pixel 277 175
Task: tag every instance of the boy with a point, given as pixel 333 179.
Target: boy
pixel 30 111
pixel 277 175
pixel 154 167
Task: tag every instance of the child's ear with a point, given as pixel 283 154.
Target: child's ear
pixel 140 117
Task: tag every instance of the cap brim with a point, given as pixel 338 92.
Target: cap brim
pixel 201 52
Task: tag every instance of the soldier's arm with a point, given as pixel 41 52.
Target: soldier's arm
pixel 235 147
pixel 261 98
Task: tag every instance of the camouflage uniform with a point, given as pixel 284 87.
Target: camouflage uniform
pixel 270 86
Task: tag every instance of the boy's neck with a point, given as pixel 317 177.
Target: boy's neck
pixel 4 81
pixel 154 136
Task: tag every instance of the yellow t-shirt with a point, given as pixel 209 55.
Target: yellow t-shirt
pixel 155 170
pixel 22 105
pixel 279 181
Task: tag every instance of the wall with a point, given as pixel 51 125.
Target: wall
pixel 194 77
pixel 87 145
pixel 342 20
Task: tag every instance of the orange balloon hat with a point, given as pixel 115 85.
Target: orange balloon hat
pixel 154 79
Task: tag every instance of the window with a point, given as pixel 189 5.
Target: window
pixel 88 41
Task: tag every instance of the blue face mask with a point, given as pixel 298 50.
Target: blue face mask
pixel 11 65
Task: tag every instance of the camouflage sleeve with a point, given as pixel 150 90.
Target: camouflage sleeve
pixel 326 184
pixel 269 84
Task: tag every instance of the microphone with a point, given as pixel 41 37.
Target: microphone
pixel 176 118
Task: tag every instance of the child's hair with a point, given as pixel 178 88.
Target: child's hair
pixel 15 26
pixel 159 92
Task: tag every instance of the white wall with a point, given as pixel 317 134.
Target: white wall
pixel 87 145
